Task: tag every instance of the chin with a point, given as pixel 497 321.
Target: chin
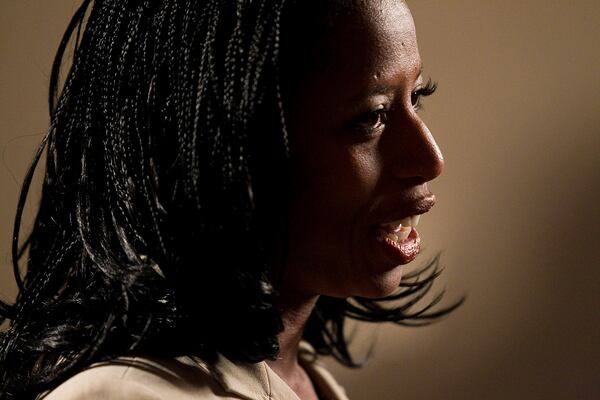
pixel 381 285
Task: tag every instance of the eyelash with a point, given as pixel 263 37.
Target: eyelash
pixel 423 91
pixel 380 115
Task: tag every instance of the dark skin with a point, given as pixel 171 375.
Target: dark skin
pixel 361 157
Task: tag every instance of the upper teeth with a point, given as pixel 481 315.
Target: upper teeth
pixel 396 226
pixel 400 230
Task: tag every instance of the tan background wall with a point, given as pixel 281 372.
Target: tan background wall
pixel 518 119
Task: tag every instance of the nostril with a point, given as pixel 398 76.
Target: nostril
pixel 420 166
pixel 437 166
pixel 415 154
pixel 431 161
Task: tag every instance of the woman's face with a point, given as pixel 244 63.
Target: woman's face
pixel 361 157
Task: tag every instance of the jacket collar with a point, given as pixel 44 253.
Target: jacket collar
pixel 248 381
pixel 252 381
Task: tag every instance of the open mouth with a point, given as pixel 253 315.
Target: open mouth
pixel 398 231
pixel 400 239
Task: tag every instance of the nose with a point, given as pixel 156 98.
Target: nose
pixel 416 155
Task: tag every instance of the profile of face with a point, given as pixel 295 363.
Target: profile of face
pixel 361 157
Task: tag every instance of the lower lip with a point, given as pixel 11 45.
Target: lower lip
pixel 405 251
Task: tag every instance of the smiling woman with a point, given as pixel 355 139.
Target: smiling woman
pixel 361 157
pixel 224 188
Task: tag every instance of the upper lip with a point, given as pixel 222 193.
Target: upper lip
pixel 404 209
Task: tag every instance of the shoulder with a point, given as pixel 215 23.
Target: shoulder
pixel 320 375
pixel 141 379
pixel 190 378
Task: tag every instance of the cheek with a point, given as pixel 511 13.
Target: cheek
pixel 329 220
pixel 365 167
pixel 352 181
pixel 336 189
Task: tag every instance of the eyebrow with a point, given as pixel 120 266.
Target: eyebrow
pixel 383 88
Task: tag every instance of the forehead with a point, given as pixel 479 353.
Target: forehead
pixel 371 42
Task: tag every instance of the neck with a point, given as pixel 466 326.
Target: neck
pixel 295 310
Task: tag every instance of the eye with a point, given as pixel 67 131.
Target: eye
pixel 420 92
pixel 373 120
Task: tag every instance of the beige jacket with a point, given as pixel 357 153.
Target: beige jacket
pixel 189 378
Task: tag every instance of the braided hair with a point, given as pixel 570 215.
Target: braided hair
pixel 164 195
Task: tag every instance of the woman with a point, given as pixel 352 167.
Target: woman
pixel 224 180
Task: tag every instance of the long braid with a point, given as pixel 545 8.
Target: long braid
pixel 140 128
